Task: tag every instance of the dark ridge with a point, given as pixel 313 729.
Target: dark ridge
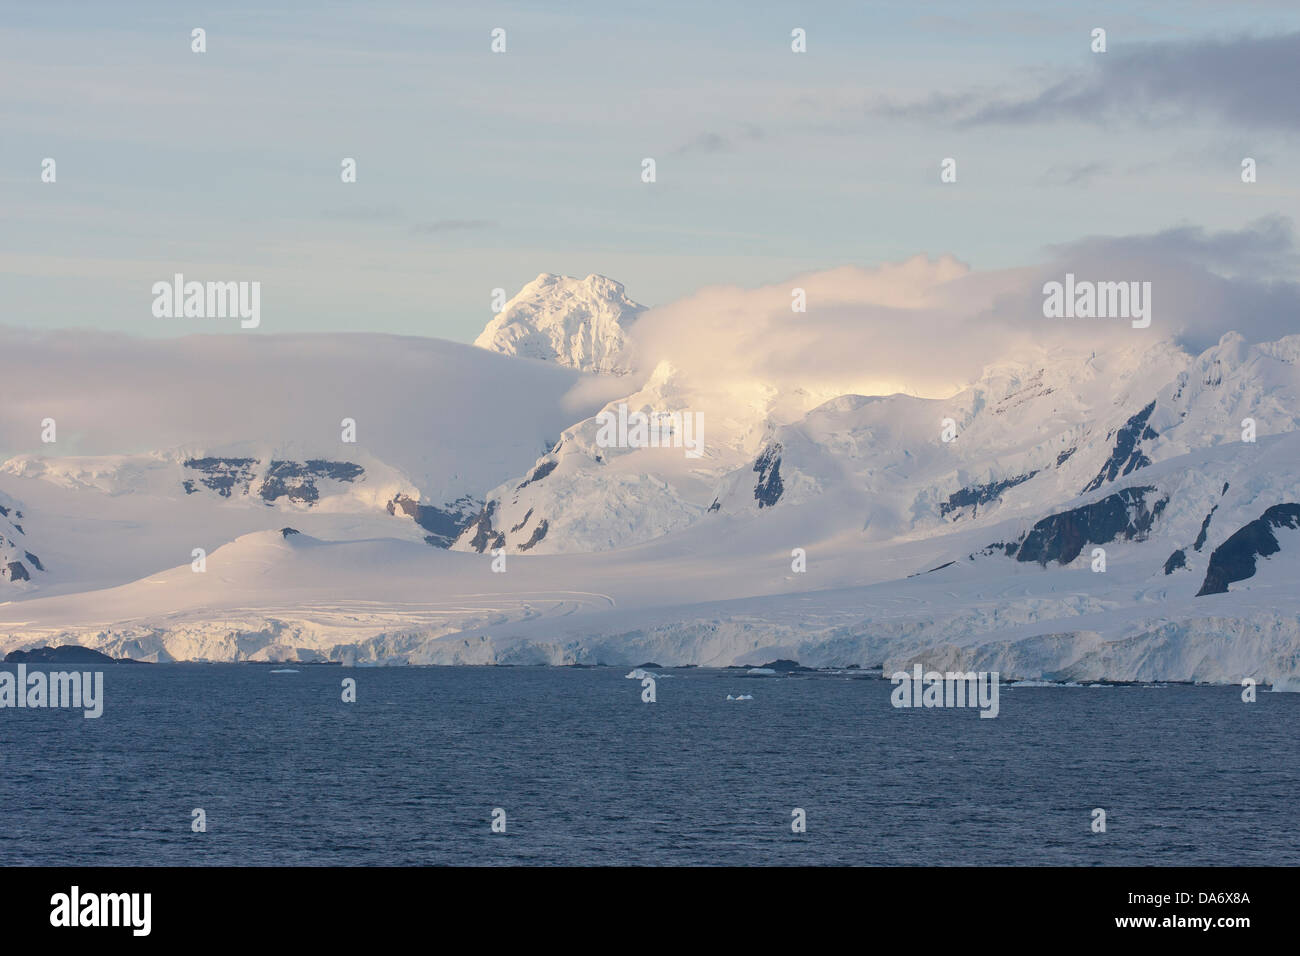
pixel 946 564
pixel 4 511
pixel 517 527
pixel 297 481
pixel 716 506
pixel 785 666
pixel 484 535
pixel 1176 560
pixel 1205 526
pixel 769 488
pixel 285 532
pixel 337 470
pixel 1064 456
pixel 444 524
pixel 1224 491
pixel 14 571
pixel 540 472
pixel 1126 457
pixel 1061 537
pixel 222 474
pixel 1234 560
pixel 64 654
pixel 538 534
pixel 980 494
pixel 36 562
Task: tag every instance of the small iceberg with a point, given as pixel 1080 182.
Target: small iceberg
pixel 761 672
pixel 284 670
pixel 637 674
pixel 741 697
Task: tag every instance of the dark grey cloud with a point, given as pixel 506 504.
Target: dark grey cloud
pixel 1203 283
pixel 1265 248
pixel 1248 81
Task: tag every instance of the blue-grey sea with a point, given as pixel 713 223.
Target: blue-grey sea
pixel 586 773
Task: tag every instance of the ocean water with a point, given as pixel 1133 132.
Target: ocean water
pixel 287 773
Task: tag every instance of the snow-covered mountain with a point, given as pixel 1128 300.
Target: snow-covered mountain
pixel 577 323
pixel 1125 509
pixel 340 435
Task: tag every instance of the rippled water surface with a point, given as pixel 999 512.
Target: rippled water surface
pixel 588 774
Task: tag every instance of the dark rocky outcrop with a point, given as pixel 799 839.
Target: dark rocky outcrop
pixel 976 495
pixel 485 536
pixel 297 480
pixel 443 524
pixel 221 475
pixel 768 466
pixel 1205 527
pixel 1175 561
pixel 64 654
pixel 540 472
pixel 538 534
pixel 1234 560
pixel 1126 457
pixel 1061 537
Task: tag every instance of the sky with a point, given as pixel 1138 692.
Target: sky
pixel 479 170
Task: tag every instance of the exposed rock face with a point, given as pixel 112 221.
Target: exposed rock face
pixel 1234 560
pixel 538 534
pixel 16 562
pixel 976 495
pixel 1127 455
pixel 1061 537
pixel 444 524
pixel 64 654
pixel 225 476
pixel 485 536
pixel 295 481
pixel 768 466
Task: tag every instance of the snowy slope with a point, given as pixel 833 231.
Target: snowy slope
pixel 1097 513
pixel 577 323
pixel 166 446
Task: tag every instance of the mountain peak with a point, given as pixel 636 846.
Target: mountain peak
pixel 579 323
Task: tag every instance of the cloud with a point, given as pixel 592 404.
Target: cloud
pixel 363 213
pixel 1266 247
pixel 718 142
pixel 1243 81
pixel 1074 175
pixel 451 225
pixel 930 326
